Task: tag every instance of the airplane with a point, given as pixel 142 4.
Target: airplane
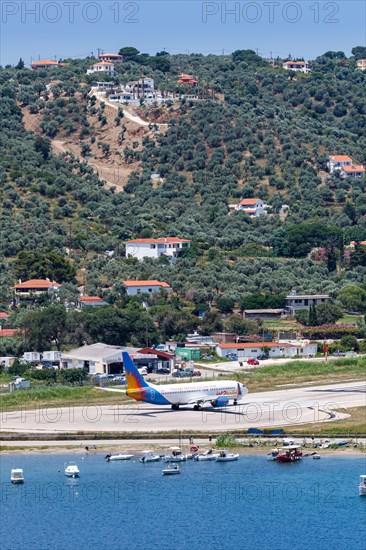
pixel 219 394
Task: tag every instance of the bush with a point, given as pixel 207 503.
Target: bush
pixel 75 377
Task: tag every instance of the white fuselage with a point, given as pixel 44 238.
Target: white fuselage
pixel 182 394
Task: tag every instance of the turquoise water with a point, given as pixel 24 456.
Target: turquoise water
pixel 249 504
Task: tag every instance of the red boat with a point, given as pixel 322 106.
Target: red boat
pixel 291 453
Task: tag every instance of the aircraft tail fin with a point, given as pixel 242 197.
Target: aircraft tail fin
pixel 134 379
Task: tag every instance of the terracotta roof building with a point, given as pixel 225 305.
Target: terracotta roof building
pixel 145 287
pixel 154 248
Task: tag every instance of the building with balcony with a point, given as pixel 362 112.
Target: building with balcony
pixel 170 247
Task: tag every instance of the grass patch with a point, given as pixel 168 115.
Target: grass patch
pixel 298 372
pixel 58 396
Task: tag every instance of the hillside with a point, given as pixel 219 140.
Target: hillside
pixel 75 172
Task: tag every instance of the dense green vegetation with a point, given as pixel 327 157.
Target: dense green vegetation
pixel 258 131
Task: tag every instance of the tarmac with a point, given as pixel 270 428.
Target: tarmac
pixel 273 409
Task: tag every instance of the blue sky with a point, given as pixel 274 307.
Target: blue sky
pixel 75 28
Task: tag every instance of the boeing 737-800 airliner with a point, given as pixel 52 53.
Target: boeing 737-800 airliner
pixel 219 394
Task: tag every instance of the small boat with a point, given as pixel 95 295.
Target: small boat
pixel 206 455
pixel 175 456
pixel 171 470
pixel 273 454
pixel 71 470
pixel 17 475
pixel 225 456
pixel 291 453
pixel 362 486
pixel 149 456
pixel 316 456
pixel 112 458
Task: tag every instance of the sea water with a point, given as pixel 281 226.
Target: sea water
pixel 249 504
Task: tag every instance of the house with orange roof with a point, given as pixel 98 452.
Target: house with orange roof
pixel 111 57
pixel 297 66
pixel 44 64
pixel 102 67
pixel 353 171
pixel 145 287
pixel 90 301
pixel 337 162
pixel 187 79
pixel 170 247
pixel 253 207
pixel 33 288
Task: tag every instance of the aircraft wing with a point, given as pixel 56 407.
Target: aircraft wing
pixel 110 389
pixel 199 400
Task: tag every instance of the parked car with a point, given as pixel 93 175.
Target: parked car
pixel 163 370
pixel 339 353
pixel 143 371
pixel 253 361
pixel 119 378
pixel 231 356
pixel 263 356
pixel 196 373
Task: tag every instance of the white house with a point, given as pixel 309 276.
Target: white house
pixel 102 67
pixel 297 302
pixel 154 248
pixel 337 162
pixel 297 66
pixel 32 356
pixel 276 349
pixel 90 301
pixel 144 87
pixel 353 171
pixel 111 57
pixel 51 356
pixel 361 64
pixel 44 64
pixel 145 287
pixel 252 207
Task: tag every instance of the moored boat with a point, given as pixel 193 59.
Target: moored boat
pixel 17 475
pixel 225 456
pixel 175 456
pixel 149 456
pixel 362 486
pixel 71 470
pixel 171 470
pixel 273 454
pixel 291 453
pixel 112 458
pixel 206 455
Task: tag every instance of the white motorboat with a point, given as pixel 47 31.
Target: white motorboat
pixel 71 470
pixel 273 454
pixel 149 456
pixel 206 455
pixel 17 475
pixel 362 486
pixel 316 456
pixel 171 470
pixel 112 458
pixel 175 456
pixel 225 456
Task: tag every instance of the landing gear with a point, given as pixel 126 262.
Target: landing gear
pixel 175 407
pixel 197 407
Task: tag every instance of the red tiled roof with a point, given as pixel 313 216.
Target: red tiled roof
pixel 156 352
pixel 90 299
pixel 35 283
pixel 4 315
pixel 153 282
pixel 341 158
pixel 353 168
pixel 44 62
pixel 248 202
pixel 8 332
pixel 294 63
pixel 161 240
pixel 102 63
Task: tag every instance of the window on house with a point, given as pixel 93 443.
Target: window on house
pixel 152 246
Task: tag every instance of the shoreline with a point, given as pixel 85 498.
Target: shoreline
pixel 102 446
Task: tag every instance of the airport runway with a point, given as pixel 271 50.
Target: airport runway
pixel 259 410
